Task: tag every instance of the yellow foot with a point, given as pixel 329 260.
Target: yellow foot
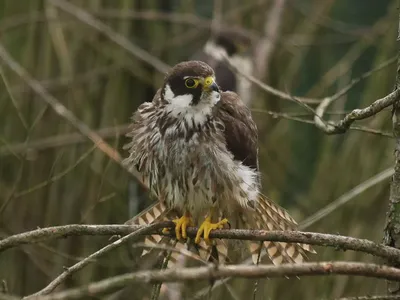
pixel 180 226
pixel 206 228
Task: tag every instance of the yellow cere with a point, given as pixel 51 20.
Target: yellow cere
pixel 208 81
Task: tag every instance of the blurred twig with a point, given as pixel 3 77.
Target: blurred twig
pixel 266 45
pixel 61 110
pixel 270 89
pixel 61 140
pixel 376 297
pixel 354 192
pixel 8 297
pixel 57 106
pixel 114 36
pixel 68 271
pixel 212 272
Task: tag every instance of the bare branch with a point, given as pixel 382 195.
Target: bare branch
pixel 329 127
pixel 78 266
pixel 114 36
pixel 265 47
pixel 61 140
pixel 217 272
pixel 362 187
pixel 356 114
pixel 312 238
pixel 376 297
pixel 270 89
pixel 8 297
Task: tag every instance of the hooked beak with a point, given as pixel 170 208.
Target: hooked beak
pixel 210 85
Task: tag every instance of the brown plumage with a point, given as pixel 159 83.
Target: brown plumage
pixel 196 149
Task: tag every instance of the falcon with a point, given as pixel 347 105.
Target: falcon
pixel 196 149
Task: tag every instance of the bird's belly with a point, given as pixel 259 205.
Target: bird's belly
pixel 197 186
pixel 186 194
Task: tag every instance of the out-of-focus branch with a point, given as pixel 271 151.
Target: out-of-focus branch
pixel 328 127
pixel 217 272
pixel 8 297
pixel 376 297
pixel 265 47
pixel 81 264
pixel 114 36
pixel 343 199
pixel 62 111
pixel 268 88
pixel 312 238
pixel 62 140
pixel 392 227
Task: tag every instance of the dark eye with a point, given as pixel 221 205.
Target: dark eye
pixel 191 83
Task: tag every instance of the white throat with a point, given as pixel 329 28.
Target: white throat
pixel 180 107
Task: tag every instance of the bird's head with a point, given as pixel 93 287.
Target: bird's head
pixel 191 84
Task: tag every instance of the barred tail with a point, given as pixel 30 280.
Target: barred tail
pixel 271 216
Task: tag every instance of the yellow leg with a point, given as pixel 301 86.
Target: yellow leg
pixel 206 228
pixel 180 226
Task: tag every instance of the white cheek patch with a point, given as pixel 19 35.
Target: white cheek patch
pixel 214 97
pixel 177 101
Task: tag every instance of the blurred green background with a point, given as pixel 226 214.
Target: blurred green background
pixel 49 176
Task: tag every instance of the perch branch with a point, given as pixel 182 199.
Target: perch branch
pixel 356 114
pixel 218 272
pixel 312 238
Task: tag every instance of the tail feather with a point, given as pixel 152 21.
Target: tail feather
pixel 272 217
pixel 155 212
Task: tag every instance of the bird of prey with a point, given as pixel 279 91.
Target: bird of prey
pixel 196 149
pixel 236 46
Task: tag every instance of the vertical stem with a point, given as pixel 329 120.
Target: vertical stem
pixel 392 227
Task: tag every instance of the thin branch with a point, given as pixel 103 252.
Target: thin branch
pixel 330 127
pixel 376 297
pixel 78 266
pixel 268 88
pixel 240 271
pixel 288 116
pixel 59 108
pixel 365 75
pixel 312 238
pixel 62 140
pixel 64 112
pixel 8 297
pixel 354 192
pixel 114 36
pixel 356 114
pixel 392 227
pixel 266 45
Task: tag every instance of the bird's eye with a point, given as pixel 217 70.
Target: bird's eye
pixel 191 83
